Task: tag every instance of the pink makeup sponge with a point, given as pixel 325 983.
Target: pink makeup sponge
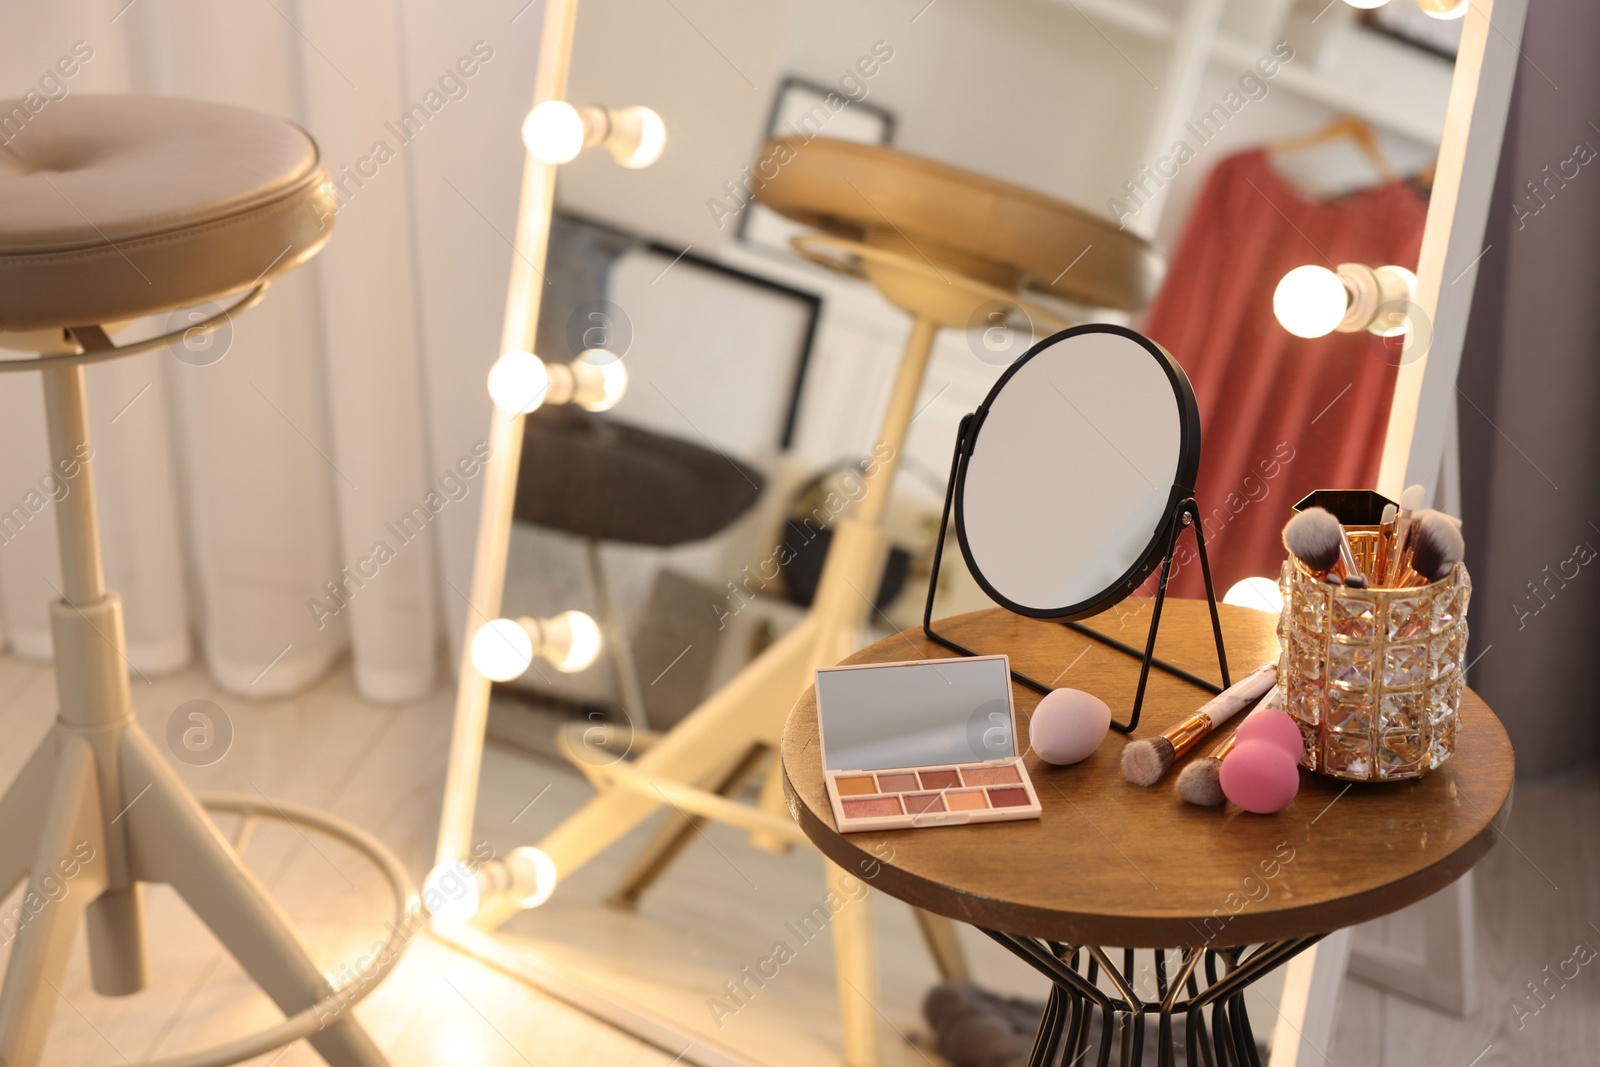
pixel 1260 777
pixel 1068 725
pixel 1275 728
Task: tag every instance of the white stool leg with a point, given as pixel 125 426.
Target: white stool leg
pixel 72 821
pixel 27 796
pixel 171 840
pixel 1310 1003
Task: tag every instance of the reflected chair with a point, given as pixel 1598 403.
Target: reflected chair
pixel 600 479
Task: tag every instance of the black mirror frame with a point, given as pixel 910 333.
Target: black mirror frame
pixel 1182 512
pixel 1188 470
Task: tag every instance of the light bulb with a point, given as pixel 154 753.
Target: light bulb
pixel 1444 9
pixel 637 136
pixel 450 893
pixel 533 876
pixel 453 892
pixel 1262 594
pixel 600 379
pixel 518 382
pixel 501 650
pixel 554 132
pixel 571 641
pixel 1366 5
pixel 1310 301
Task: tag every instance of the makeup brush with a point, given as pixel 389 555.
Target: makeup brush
pixel 1146 761
pixel 1410 501
pixel 1317 539
pixel 1380 558
pixel 1199 782
pixel 1347 561
pixel 1312 537
pixel 1436 548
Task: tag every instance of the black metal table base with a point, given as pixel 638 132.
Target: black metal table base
pixel 1197 984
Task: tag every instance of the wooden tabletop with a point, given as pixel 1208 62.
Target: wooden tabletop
pixel 1112 864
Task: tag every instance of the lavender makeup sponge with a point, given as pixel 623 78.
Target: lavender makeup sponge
pixel 1260 777
pixel 1068 725
pixel 1275 728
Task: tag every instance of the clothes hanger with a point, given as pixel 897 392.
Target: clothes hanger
pixel 1348 126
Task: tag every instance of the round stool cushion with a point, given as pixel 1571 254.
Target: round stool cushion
pixel 114 207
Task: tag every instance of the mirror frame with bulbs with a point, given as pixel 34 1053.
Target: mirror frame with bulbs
pixel 518 383
pixel 1181 511
pixel 1420 417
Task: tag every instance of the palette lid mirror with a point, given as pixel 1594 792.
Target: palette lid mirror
pixel 1077 460
pixel 922 714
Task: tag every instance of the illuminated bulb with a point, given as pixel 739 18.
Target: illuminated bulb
pixel 1444 9
pixel 571 640
pixel 1262 594
pixel 504 648
pixel 453 892
pixel 501 650
pixel 600 379
pixel 1314 301
pixel 595 380
pixel 450 893
pixel 532 876
pixel 555 132
pixel 1310 301
pixel 519 382
pixel 1393 305
pixel 636 137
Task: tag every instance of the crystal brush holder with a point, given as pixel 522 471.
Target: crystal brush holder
pixel 1373 677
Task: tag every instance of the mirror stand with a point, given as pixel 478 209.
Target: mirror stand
pixel 1185 513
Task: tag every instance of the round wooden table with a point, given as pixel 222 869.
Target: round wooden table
pixel 1231 894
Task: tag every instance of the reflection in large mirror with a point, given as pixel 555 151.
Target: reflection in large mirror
pixel 807 292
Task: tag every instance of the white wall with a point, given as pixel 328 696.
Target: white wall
pixel 1031 91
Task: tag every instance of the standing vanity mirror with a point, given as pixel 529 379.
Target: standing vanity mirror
pixel 625 881
pixel 1071 483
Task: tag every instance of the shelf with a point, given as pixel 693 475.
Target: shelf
pixel 1416 113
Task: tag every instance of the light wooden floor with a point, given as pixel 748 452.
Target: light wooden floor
pixel 382 768
pixel 1538 896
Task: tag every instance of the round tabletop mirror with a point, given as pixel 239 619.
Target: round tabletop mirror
pixel 1077 461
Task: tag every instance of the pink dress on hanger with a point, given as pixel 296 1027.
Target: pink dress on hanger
pixel 1280 415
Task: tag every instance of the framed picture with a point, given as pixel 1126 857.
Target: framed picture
pixel 719 355
pixel 804 108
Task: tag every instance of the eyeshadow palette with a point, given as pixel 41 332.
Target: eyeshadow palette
pixel 922 743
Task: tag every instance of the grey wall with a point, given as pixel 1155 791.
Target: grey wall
pixel 1530 383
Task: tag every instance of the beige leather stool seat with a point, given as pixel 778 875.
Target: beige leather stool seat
pixel 114 207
